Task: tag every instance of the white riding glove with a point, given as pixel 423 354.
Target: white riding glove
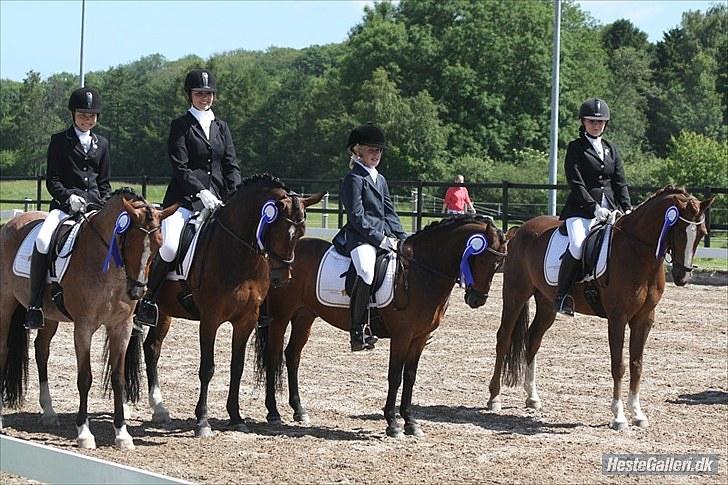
pixel 601 213
pixel 77 203
pixel 389 243
pixel 209 200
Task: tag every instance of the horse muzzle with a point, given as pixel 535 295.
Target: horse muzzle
pixel 474 298
pixel 280 276
pixel 681 274
pixel 135 289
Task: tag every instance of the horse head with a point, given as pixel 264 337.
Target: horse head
pixel 137 236
pixel 486 263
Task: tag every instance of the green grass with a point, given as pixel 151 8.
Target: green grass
pixel 711 263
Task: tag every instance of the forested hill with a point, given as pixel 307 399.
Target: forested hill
pixel 458 86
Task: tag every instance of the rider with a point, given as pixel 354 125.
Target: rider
pixel 205 172
pixel 372 223
pixel 597 186
pixel 77 173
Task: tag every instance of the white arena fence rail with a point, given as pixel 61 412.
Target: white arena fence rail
pixel 45 464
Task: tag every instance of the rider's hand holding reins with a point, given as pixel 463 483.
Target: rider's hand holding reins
pixel 77 203
pixel 389 243
pixel 601 214
pixel 209 200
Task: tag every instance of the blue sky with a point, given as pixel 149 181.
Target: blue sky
pixel 45 35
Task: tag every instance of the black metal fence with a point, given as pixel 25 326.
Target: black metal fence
pixel 505 200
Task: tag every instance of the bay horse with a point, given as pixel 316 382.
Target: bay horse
pixel 229 278
pixel 92 298
pixel 431 263
pixel 630 291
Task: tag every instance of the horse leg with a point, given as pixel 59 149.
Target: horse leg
pixel 542 321
pixel 152 350
pixel 82 341
pixel 118 341
pixel 270 356
pixel 208 332
pixel 616 345
pixel 241 332
pixel 411 426
pixel 397 351
pixel 42 351
pixel 300 333
pixel 514 306
pixel 639 329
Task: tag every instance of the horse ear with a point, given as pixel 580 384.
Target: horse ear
pixel 706 203
pixel 133 212
pixel 313 199
pixel 511 232
pixel 169 211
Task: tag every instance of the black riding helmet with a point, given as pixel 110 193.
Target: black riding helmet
pixel 85 100
pixel 200 79
pixel 366 135
pixel 594 109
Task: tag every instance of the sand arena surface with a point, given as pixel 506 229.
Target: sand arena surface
pixel 684 394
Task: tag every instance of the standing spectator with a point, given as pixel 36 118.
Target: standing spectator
pixel 457 199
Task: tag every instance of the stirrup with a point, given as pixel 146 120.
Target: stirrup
pixel 369 337
pixel 147 313
pixel 565 305
pixel 34 318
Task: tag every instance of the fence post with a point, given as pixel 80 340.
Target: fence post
pixel 413 203
pixel 504 219
pixel 38 183
pixel 26 203
pixel 707 192
pixel 145 181
pixel 324 214
pixel 420 203
pixel 341 206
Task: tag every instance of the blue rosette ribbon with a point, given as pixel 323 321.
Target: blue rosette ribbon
pixel 268 214
pixel 476 244
pixel 122 224
pixel 671 217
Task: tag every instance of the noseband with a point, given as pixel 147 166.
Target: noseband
pixel 677 264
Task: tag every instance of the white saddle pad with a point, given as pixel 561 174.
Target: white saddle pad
pixel 187 262
pixel 330 281
pixel 558 244
pixel 21 264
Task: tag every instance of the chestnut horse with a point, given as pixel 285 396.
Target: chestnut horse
pixel 92 297
pixel 229 278
pixel 431 261
pixel 630 290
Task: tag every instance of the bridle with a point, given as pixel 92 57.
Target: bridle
pixel 677 264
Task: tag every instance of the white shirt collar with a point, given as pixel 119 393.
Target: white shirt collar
pixel 597 144
pixel 373 173
pixel 84 137
pixel 204 118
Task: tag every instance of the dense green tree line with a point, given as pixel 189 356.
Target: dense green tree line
pixel 458 86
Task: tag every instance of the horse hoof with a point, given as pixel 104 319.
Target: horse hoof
pixel 161 417
pixel 274 419
pixel 534 404
pixel 494 406
pixel 641 423
pixel 301 418
pixel 124 443
pixel 394 432
pixel 203 432
pixel 618 425
pixel 49 420
pixel 86 443
pixel 413 430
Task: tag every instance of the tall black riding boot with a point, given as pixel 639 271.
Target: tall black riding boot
pixel 360 296
pixel 34 318
pixel 147 312
pixel 568 273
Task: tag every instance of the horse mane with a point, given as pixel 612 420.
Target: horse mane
pixel 666 190
pixel 264 179
pixel 452 221
pixel 128 191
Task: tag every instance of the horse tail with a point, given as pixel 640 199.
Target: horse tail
pixel 263 360
pixel 132 369
pixel 515 361
pixel 15 380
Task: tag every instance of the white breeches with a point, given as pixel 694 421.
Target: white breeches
pixel 578 228
pixel 43 241
pixel 171 231
pixel 364 257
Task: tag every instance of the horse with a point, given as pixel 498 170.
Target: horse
pixel 229 278
pixel 430 265
pixel 91 296
pixel 670 221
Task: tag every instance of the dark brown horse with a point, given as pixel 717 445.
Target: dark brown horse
pixel 92 297
pixel 629 293
pixel 229 278
pixel 432 263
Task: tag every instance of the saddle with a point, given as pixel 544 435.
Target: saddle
pixel 380 270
